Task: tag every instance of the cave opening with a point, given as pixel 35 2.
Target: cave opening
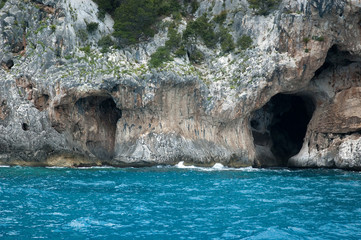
pixel 337 57
pixel 25 126
pixel 95 125
pixel 279 128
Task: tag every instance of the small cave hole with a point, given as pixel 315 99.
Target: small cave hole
pixel 279 128
pixel 25 126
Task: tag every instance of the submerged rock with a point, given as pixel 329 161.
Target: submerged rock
pixel 292 99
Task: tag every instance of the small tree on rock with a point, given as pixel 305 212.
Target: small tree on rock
pixel 263 7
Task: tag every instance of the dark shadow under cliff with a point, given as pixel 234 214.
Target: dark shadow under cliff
pixel 279 128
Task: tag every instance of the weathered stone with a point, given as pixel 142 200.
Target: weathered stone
pixel 63 105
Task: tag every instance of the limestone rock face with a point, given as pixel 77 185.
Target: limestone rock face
pixel 293 99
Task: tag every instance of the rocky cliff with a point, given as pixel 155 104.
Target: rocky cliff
pixel 291 99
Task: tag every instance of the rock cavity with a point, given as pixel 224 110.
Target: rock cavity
pixel 91 122
pixel 279 128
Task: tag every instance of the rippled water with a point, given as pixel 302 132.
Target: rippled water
pixel 174 203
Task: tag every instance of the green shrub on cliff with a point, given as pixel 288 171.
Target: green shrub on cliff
pixel 174 38
pixel 82 34
pixel 226 39
pixel 134 20
pixel 163 53
pixel 92 27
pixel 196 57
pixel 263 7
pixel 244 42
pixel 159 57
pixel 2 3
pixel 53 28
pixel 85 49
pixel 194 5
pixel 202 28
pixel 105 42
pixel 221 17
pixel 318 38
pixel 181 51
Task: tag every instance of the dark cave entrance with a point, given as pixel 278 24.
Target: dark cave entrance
pixel 336 57
pixel 279 128
pixel 95 126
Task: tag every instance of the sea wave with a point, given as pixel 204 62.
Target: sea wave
pixel 215 167
pixel 55 167
pixel 97 167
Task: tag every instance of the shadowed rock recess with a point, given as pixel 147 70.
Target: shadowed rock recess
pixel 273 90
pixel 95 121
pixel 279 128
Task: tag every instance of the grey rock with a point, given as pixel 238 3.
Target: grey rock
pixel 63 106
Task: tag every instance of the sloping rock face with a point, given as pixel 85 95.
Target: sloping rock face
pixel 293 99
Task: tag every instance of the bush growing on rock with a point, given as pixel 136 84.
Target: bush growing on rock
pixel 221 17
pixel 196 57
pixel 135 19
pixel 53 27
pixel 105 42
pixel 180 52
pixel 101 14
pixel 2 3
pixel 108 5
pixel 85 49
pixel 159 57
pixel 202 28
pixel 226 39
pixel 92 27
pixel 263 7
pixel 163 53
pixel 83 35
pixel 194 4
pixel 306 40
pixel 174 38
pixel 244 42
pixel 318 38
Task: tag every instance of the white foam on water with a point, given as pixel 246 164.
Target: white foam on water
pixel 181 165
pixel 60 214
pixel 93 167
pixel 216 167
pixel 13 233
pixel 4 166
pixel 77 224
pixel 96 167
pixel 85 223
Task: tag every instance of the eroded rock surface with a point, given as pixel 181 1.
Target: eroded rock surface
pixel 293 99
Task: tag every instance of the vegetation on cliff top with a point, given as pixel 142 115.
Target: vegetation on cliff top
pixel 134 20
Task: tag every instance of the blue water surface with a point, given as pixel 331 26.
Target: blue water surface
pixel 173 203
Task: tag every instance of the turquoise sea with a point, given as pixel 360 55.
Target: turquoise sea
pixel 179 203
